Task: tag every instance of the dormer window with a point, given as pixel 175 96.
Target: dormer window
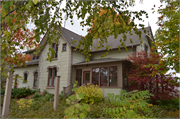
pixel 55 47
pixel 34 56
pixel 64 47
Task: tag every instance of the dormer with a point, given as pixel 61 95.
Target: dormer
pixel 30 52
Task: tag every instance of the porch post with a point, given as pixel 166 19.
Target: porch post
pixel 7 95
pixel 56 93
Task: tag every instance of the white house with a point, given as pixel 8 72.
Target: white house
pixel 70 64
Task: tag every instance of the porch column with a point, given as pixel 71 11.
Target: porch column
pixel 56 93
pixel 7 95
pixel 120 77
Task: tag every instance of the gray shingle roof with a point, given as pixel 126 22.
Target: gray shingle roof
pixel 68 35
pixel 114 43
pixel 104 60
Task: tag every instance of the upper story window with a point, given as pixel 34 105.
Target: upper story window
pixel 64 47
pixel 146 50
pixel 34 56
pixel 55 47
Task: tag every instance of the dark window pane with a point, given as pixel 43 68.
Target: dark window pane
pixel 112 71
pixel 79 80
pixel 25 76
pixel 79 72
pixel 113 81
pixel 95 72
pixel 64 47
pixel 95 80
pixel 104 81
pixel 104 71
pixel 87 77
pixel 56 55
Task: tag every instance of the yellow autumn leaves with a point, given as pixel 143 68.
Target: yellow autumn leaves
pixel 23 103
pixel 92 93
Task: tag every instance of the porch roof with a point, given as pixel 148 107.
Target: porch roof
pixel 104 60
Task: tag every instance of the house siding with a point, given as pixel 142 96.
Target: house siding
pixel 116 91
pixel 113 54
pixel 78 57
pixel 62 63
pixel 139 48
pixel 30 79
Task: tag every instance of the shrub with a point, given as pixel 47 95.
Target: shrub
pixel 128 105
pixel 92 93
pixel 148 73
pixel 19 92
pixel 171 104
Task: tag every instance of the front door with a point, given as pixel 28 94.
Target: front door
pixel 86 77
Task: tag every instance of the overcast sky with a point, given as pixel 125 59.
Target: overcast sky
pixel 147 5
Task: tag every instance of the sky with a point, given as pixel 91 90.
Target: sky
pixel 145 5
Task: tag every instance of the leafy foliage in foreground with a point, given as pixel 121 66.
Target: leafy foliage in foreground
pixel 145 76
pixel 39 108
pixel 129 105
pixel 167 35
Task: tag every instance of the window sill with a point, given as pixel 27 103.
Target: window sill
pixel 34 87
pixel 54 59
pixel 50 87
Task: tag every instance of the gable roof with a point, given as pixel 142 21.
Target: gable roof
pixel 114 43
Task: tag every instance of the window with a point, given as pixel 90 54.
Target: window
pixel 146 49
pixel 52 72
pixel 34 56
pixel 113 76
pixel 64 47
pixel 35 79
pixel 95 76
pixel 104 76
pixel 55 47
pixel 79 76
pixel 25 77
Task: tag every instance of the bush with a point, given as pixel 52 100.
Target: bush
pixel 93 94
pixel 169 104
pixel 19 92
pixel 148 73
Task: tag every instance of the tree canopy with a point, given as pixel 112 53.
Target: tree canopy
pixel 167 35
pixel 47 17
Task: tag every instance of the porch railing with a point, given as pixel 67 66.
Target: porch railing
pixel 67 90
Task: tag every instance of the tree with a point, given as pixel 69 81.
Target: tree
pixel 167 35
pixel 145 77
pixel 17 14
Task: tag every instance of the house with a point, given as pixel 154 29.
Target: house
pixel 70 64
